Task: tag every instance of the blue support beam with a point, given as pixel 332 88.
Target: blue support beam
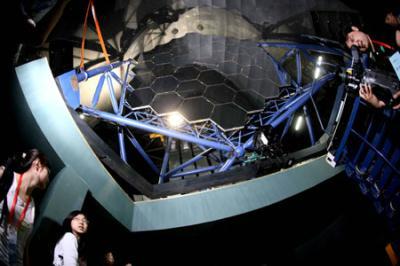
pixel 150 128
pixel 298 101
pixel 189 162
pixel 139 148
pixel 165 165
pixel 84 75
pixel 346 134
pixel 121 142
pixel 97 93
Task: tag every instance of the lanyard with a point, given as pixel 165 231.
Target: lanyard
pixel 14 203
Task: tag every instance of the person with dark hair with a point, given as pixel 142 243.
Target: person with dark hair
pixel 392 18
pixel 19 177
pixel 364 43
pixel 360 39
pixel 109 259
pixel 70 249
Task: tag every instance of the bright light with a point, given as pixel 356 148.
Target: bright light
pixel 82 116
pixel 299 123
pixel 317 72
pixel 175 120
pixel 263 139
pixel 319 60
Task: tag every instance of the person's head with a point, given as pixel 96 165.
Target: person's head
pixel 358 38
pixel 77 223
pixel 392 19
pixel 109 258
pixel 33 164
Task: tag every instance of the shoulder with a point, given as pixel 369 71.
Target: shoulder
pixel 69 235
pixel 2 167
pixel 69 238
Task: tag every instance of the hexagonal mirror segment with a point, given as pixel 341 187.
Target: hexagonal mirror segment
pixel 186 73
pixel 191 88
pixel 166 103
pixel 165 84
pixel 163 70
pixel 229 116
pixel 196 109
pixel 211 77
pixel 249 101
pixel 142 80
pixel 139 98
pixel 220 93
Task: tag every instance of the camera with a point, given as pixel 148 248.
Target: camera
pixel 383 84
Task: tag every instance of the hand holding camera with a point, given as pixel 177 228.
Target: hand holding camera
pixel 366 93
pixel 376 87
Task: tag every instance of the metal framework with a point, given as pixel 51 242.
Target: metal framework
pixel 223 150
pixel 366 142
pixel 370 149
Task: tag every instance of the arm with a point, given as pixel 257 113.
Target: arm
pixel 2 167
pixel 366 93
pixel 69 246
pixel 395 96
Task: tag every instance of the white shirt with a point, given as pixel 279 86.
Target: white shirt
pixel 66 251
pixel 20 236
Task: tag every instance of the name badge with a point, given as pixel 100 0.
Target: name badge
pixel 395 61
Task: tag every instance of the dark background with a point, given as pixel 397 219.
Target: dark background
pixel 330 224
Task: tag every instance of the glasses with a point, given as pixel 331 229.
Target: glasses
pixel 83 220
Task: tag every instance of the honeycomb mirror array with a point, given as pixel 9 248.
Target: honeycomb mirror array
pixel 205 78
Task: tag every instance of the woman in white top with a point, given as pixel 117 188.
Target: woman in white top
pixel 21 175
pixel 68 249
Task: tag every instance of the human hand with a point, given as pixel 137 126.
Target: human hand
pixel 366 93
pixel 395 96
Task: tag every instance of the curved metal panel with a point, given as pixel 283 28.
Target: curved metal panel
pixel 52 116
pixel 219 203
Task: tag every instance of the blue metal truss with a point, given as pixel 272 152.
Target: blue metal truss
pixel 224 149
pixel 370 150
pixel 371 153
